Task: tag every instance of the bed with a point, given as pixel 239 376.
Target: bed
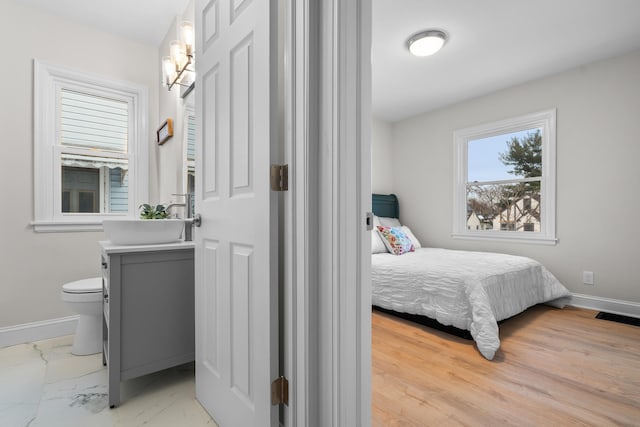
pixel 471 291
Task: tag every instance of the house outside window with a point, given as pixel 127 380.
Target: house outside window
pixel 504 180
pixel 90 149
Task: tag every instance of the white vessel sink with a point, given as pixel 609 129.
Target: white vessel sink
pixel 143 231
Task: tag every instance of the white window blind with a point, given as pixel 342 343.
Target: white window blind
pixel 90 121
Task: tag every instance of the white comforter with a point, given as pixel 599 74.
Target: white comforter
pixel 469 290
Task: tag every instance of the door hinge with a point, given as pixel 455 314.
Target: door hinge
pixel 279 177
pixel 280 391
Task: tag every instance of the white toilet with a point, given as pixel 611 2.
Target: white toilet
pixel 85 298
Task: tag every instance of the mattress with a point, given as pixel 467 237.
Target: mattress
pixel 468 290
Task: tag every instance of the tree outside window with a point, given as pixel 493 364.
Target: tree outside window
pixel 504 204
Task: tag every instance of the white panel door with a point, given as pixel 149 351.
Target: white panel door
pixel 236 256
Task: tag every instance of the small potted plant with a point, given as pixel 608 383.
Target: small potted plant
pixel 153 212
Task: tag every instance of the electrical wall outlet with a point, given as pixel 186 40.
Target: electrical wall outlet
pixel 587 277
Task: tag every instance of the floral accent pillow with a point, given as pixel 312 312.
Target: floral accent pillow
pixel 396 240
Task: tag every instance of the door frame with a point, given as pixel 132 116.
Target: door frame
pixel 300 214
pixel 327 301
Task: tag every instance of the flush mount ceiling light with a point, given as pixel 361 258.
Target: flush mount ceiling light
pixel 427 42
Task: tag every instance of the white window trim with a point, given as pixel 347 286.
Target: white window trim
pixel 546 120
pixel 47 213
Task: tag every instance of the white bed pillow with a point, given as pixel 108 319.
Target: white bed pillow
pixel 388 222
pixel 377 245
pixel 411 236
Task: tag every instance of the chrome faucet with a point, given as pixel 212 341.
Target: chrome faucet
pixel 188 214
pixel 173 205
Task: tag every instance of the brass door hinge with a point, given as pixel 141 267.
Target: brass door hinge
pixel 280 391
pixel 279 177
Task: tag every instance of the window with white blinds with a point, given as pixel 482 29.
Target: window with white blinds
pixel 91 159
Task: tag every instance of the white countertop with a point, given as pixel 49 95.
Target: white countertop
pixel 110 248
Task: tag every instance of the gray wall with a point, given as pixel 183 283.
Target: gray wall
pixel 381 157
pixel 33 266
pixel 598 149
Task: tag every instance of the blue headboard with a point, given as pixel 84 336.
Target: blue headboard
pixel 385 205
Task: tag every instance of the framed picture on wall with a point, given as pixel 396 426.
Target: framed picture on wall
pixel 165 131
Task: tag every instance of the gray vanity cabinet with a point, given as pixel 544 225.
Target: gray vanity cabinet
pixel 148 305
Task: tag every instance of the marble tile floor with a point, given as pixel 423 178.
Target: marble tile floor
pixel 43 385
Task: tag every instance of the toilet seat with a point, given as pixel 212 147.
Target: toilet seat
pixel 84 286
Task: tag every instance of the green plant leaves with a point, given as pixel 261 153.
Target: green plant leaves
pixel 153 212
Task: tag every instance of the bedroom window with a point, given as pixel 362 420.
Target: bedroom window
pixel 505 180
pixel 90 155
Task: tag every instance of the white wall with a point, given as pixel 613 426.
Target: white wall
pixel 598 150
pixel 33 266
pixel 381 157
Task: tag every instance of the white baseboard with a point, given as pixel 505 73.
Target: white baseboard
pixel 36 331
pixel 616 306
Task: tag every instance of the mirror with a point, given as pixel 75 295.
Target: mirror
pixel 189 151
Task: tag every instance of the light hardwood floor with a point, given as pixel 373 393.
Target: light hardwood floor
pixel 554 368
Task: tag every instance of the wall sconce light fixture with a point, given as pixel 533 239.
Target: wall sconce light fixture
pixel 178 67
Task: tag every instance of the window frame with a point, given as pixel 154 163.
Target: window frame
pixel 545 120
pixel 48 80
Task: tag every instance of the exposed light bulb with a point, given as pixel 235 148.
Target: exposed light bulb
pixel 176 50
pixel 169 70
pixel 187 36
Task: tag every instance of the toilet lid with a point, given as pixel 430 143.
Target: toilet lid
pixel 83 286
